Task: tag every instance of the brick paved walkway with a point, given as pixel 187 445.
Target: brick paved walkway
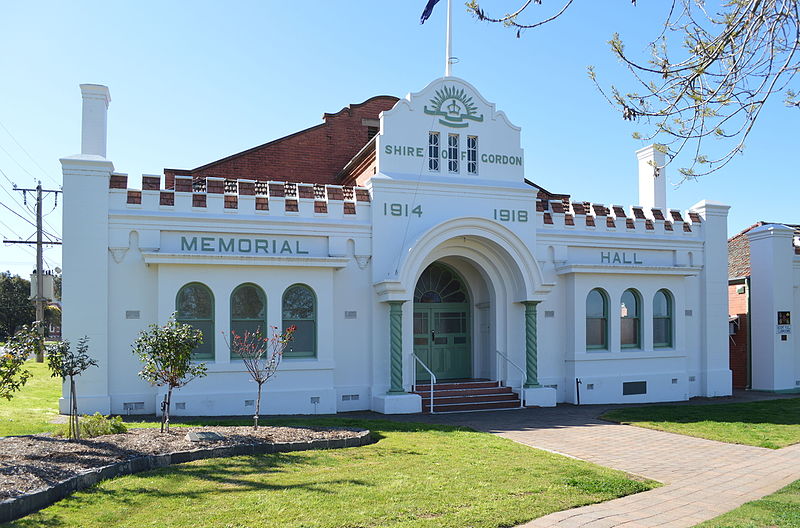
pixel 702 478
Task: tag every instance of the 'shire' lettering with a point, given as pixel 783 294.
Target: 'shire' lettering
pixel 617 257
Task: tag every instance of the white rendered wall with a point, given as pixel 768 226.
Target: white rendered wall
pixel 85 259
pixel 773 288
pixel 715 369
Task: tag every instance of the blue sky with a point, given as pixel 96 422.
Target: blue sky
pixel 192 82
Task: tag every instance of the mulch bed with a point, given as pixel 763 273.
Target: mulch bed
pixel 33 462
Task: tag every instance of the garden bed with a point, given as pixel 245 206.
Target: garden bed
pixel 37 470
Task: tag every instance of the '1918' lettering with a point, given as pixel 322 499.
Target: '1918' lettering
pixel 511 215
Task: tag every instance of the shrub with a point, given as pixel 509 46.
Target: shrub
pixel 97 425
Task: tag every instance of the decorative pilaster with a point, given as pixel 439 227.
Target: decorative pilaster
pixel 531 359
pixel 396 346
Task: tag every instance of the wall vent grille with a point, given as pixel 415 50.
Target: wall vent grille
pixel 630 388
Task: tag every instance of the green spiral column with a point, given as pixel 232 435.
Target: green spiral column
pixel 531 358
pixel 396 346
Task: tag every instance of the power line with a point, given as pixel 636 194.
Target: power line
pixel 28 154
pixel 18 163
pixel 51 235
pixel 40 300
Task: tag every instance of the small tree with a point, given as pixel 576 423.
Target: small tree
pixel 166 352
pixel 261 356
pixel 65 363
pixel 24 343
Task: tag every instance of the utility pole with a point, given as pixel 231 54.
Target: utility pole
pixel 40 299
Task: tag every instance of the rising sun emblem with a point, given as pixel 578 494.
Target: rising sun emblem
pixel 454 106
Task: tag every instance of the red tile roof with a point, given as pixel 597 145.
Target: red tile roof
pixel 739 250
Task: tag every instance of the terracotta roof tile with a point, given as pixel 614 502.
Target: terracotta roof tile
pixel 739 250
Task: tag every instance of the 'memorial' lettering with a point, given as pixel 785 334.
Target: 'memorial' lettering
pixel 242 245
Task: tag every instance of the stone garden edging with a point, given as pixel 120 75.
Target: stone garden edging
pixel 22 505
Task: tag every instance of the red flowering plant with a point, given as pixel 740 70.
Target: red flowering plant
pixel 261 355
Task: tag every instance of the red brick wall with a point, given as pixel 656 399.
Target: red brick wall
pixel 314 155
pixel 737 305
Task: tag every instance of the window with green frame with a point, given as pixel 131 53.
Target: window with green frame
pixel 597 320
pixel 630 320
pixel 248 311
pixel 300 309
pixel 662 319
pixel 194 305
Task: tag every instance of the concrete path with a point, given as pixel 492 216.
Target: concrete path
pixel 702 478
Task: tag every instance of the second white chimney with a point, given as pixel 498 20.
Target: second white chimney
pixel 95 117
pixel 652 178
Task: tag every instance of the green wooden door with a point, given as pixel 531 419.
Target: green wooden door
pixel 442 325
pixel 441 340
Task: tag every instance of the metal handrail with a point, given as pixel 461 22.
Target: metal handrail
pixel 433 378
pixel 524 378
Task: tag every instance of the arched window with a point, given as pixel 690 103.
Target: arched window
pixel 596 320
pixel 194 305
pixel 300 310
pixel 630 320
pixel 248 310
pixel 662 319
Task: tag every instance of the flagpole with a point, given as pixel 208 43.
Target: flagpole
pixel 449 45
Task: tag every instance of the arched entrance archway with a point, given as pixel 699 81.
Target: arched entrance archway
pixel 442 324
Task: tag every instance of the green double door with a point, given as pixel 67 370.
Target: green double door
pixel 442 341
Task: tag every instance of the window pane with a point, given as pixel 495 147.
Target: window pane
pixel 420 323
pixel 596 333
pixel 452 152
pixel 630 305
pixel 451 322
pixel 630 331
pixel 206 350
pixel 433 151
pixel 247 303
pixel 661 306
pixel 241 326
pixel 298 303
pixel 662 331
pixel 303 343
pixel 194 302
pixel 595 304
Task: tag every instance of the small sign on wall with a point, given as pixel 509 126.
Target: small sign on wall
pixel 784 318
pixel 783 329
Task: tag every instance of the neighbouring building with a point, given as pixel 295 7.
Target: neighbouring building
pixel 763 295
pixel 404 241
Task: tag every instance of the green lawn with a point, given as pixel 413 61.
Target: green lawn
pixel 772 424
pixel 780 510
pixel 416 475
pixel 33 408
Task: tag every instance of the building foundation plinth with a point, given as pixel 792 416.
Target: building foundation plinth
pixel 539 396
pixel 397 403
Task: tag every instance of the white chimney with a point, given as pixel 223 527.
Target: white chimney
pixel 95 112
pixel 652 178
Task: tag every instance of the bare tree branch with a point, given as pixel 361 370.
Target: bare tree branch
pixel 730 64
